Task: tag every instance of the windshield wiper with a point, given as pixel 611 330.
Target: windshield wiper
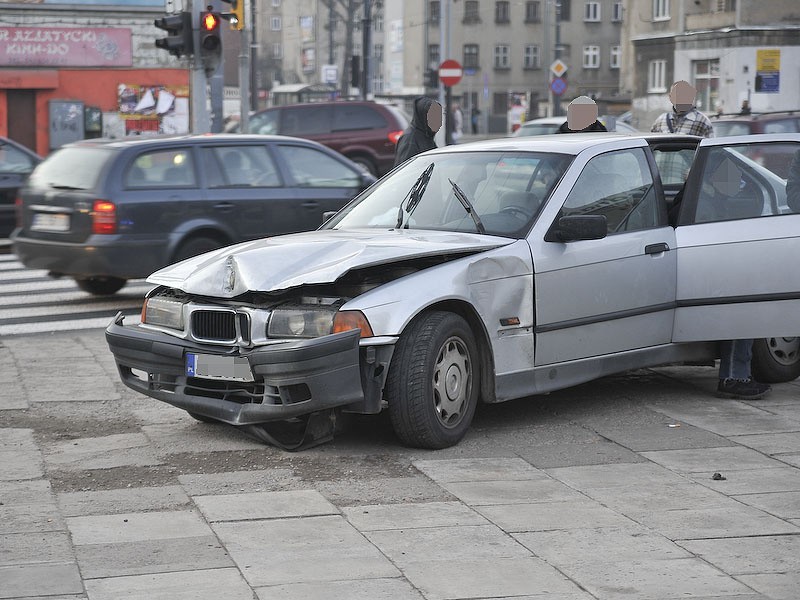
pixel 462 197
pixel 414 195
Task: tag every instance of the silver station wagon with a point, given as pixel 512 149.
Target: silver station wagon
pixel 481 273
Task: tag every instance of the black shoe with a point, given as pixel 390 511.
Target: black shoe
pixel 743 389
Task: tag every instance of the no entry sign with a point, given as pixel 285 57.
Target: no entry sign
pixel 450 72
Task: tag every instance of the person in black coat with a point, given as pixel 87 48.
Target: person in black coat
pixel 418 137
pixel 581 117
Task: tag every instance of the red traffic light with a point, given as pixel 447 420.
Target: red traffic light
pixel 209 21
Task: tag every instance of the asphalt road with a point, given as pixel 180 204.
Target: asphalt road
pixel 604 491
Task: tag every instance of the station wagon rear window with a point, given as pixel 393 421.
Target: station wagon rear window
pixel 71 168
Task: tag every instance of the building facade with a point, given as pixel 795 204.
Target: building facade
pixel 730 50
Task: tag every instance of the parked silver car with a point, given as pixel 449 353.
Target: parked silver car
pixel 481 272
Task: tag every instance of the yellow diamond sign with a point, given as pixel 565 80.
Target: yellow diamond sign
pixel 558 68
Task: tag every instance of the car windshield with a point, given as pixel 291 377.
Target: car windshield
pixel 506 190
pixel 71 168
pixel 725 129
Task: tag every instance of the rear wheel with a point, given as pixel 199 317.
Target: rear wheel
pixel 194 246
pixel 365 164
pixel 433 383
pixel 100 286
pixel 776 360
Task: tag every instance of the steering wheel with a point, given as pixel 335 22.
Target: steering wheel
pixel 516 210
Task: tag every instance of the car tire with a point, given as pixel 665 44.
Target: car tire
pixel 194 246
pixel 434 381
pixel 365 163
pixel 100 286
pixel 776 360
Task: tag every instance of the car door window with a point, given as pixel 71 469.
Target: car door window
pixel 673 164
pixel 348 117
pixel 618 185
pixel 310 167
pixel 306 120
pixel 781 126
pixel 164 168
pixel 13 160
pixel 733 184
pixel 265 123
pixel 242 166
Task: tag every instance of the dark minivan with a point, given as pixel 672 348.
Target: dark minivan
pixel 105 211
pixel 16 163
pixel 365 132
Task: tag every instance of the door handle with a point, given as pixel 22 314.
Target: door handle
pixel 310 204
pixel 224 206
pixel 656 248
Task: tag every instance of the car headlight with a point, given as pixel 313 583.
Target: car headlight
pixel 163 312
pixel 312 322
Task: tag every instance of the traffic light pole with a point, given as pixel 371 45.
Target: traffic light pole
pixel 198 91
pixel 244 79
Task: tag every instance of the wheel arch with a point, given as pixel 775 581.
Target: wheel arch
pixel 207 230
pixel 466 311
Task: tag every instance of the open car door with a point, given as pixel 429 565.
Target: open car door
pixel 738 241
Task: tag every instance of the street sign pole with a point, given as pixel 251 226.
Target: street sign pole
pixel 450 73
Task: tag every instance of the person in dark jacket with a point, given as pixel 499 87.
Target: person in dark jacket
pixel 581 117
pixel 418 137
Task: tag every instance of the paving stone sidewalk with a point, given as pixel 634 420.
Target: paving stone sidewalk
pixel 602 492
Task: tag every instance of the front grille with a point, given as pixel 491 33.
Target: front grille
pixel 214 325
pixel 241 392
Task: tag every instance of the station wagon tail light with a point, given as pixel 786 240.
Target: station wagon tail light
pixel 104 217
pixel 394 136
pixel 347 320
pixel 163 312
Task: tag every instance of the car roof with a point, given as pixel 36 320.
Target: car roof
pixel 756 116
pixel 546 121
pixel 570 143
pixel 157 140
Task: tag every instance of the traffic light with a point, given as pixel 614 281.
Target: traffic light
pixel 210 41
pixel 432 78
pixel 236 16
pixel 355 71
pixel 179 40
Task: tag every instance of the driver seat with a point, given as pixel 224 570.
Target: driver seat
pixel 528 201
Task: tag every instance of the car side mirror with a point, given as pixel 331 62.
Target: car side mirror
pixel 326 216
pixel 574 228
pixel 367 179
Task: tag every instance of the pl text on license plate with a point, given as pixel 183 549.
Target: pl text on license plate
pixel 210 366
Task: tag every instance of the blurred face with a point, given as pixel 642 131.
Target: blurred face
pixel 727 178
pixel 435 117
pixel 580 116
pixel 682 96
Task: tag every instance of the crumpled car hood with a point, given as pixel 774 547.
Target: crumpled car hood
pixel 284 262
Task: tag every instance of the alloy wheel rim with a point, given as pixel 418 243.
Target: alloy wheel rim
pixel 452 382
pixel 784 349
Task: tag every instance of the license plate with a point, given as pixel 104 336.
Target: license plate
pixel 50 222
pixel 211 366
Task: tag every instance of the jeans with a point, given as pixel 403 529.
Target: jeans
pixel 734 361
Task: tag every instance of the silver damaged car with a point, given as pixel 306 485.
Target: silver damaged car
pixel 482 272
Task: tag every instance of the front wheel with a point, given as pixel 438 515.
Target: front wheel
pixel 433 383
pixel 776 360
pixel 100 286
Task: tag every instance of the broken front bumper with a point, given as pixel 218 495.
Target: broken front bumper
pixel 290 379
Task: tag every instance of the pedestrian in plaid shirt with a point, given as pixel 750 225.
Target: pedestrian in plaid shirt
pixel 683 118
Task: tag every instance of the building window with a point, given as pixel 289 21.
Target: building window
pixel 377 23
pixel 563 8
pixel 471 12
pixel 660 10
pixel 275 23
pixel 591 12
pixel 277 50
pixel 471 60
pixel 276 3
pixel 501 12
pixel 657 76
pixel 434 58
pixel 616 55
pixel 434 10
pixel 502 56
pixel 533 12
pixel 591 57
pixel 377 52
pixel 378 83
pixel 705 75
pixel 724 6
pixel 531 57
pixel 616 12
